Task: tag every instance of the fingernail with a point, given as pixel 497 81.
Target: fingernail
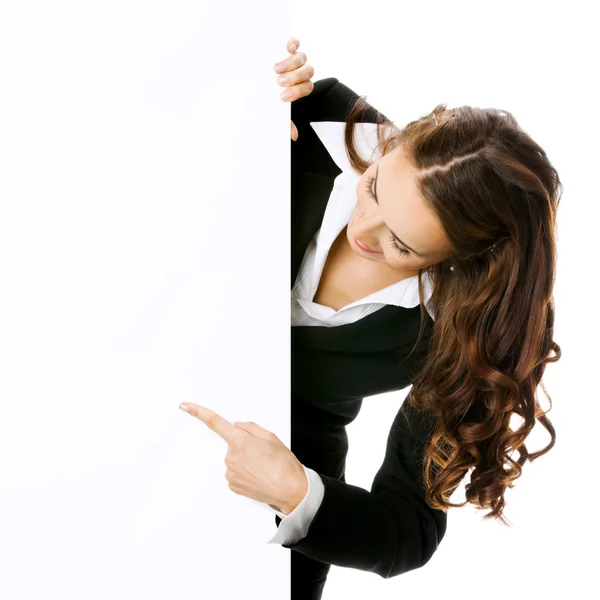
pixel 293 47
pixel 283 79
pixel 184 407
pixel 285 94
pixel 279 68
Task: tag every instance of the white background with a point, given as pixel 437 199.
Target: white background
pixel 144 178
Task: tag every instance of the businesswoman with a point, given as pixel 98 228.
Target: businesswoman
pixel 420 255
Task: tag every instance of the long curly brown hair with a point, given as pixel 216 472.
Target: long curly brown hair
pixel 496 194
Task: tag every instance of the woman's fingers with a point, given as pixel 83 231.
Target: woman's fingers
pixel 295 76
pixel 293 61
pixel 304 73
pixel 297 91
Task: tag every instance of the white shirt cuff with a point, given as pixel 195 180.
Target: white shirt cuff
pixel 294 526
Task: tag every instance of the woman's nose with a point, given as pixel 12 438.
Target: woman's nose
pixel 372 232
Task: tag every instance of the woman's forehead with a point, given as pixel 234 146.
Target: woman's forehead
pixel 404 209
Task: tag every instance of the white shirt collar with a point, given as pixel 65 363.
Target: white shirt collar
pixel 331 134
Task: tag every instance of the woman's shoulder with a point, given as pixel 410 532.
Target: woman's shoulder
pixel 330 100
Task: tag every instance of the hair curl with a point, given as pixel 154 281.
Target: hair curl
pixel 490 185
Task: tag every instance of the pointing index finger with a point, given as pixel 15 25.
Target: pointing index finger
pixel 221 426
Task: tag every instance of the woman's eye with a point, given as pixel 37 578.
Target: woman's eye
pixel 370 193
pixel 393 244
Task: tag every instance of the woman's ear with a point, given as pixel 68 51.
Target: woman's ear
pixel 293 131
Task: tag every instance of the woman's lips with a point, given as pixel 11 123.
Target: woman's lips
pixel 365 247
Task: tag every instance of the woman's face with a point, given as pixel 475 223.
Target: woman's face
pixel 398 208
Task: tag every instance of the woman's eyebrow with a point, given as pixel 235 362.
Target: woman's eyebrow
pixel 376 200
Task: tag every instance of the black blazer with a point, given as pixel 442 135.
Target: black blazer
pixel 390 529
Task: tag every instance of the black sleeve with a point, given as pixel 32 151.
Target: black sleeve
pixel 389 530
pixel 312 107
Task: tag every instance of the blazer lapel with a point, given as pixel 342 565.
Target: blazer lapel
pixel 310 194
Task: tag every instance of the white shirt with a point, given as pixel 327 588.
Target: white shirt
pixel 304 311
